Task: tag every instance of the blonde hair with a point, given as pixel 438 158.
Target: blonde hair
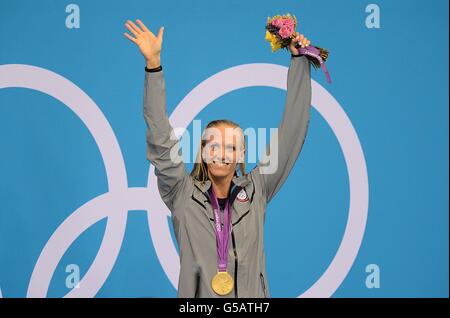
pixel 200 171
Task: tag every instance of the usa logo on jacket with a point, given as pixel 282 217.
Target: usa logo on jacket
pixel 242 196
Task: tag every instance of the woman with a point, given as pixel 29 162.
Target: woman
pixel 217 214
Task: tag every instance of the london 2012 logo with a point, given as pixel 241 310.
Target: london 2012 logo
pixel 115 204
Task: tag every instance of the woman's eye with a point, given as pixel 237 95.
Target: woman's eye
pixel 214 147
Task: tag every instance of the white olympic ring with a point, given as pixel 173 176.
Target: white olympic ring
pixel 114 204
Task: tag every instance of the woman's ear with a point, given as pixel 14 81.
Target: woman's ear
pixel 241 156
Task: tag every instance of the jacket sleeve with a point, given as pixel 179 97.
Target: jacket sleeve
pixel 161 140
pixel 292 130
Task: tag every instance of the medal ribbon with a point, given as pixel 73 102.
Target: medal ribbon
pixel 222 233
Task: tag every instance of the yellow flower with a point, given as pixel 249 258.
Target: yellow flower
pixel 275 45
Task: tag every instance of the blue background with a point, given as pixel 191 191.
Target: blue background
pixel 392 83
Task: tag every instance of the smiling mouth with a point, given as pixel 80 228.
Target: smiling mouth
pixel 220 163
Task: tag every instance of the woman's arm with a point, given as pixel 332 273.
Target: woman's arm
pixel 162 144
pixel 293 127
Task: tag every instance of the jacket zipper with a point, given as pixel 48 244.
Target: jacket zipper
pixel 235 264
pixel 197 286
pixel 263 284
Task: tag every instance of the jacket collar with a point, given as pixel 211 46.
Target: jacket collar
pixel 240 181
pixel 201 195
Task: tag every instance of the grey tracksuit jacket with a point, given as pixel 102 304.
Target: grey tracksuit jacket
pixel 189 202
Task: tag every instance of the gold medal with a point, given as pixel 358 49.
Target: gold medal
pixel 222 283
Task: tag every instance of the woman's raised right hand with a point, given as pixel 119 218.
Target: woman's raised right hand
pixel 149 44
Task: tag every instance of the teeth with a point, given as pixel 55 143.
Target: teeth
pixel 221 163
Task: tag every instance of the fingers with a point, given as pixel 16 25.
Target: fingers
pixel 302 40
pixel 133 27
pixel 130 37
pixel 142 25
pixel 161 32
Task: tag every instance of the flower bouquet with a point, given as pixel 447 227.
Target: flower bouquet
pixel 280 31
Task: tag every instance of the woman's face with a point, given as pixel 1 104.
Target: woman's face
pixel 223 150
